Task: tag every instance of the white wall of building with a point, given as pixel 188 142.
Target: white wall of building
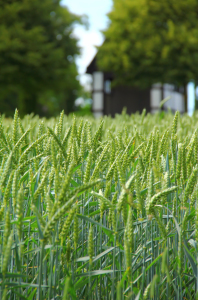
pixel 98 95
pixel 98 80
pixel 98 101
pixel 191 92
pixel 176 101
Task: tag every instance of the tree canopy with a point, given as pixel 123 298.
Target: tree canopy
pixel 37 56
pixel 151 41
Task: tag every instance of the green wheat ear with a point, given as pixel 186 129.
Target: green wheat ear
pixel 66 226
pixel 66 137
pixel 79 132
pixel 163 145
pixel 75 151
pixel 68 252
pixel 40 218
pixel 53 155
pixel 99 162
pixel 130 234
pixel 135 153
pixel 89 136
pixel 152 202
pixel 196 222
pixel 82 142
pixel 151 190
pixel 121 172
pixel 60 123
pixel 179 161
pixel 15 128
pixel 190 186
pixel 19 212
pixel 6 171
pixel 28 150
pixel 7 229
pixel 183 164
pixel 66 183
pixel 22 138
pixel 127 254
pixel 174 124
pixel 88 168
pixel 58 142
pixel 146 292
pixel 49 202
pixel 90 244
pixel 4 296
pixel 192 145
pixel 148 147
pixel 7 254
pixel 76 231
pixel 124 192
pixel 140 202
pixel 7 190
pixel 56 216
pixel 40 188
pixel 97 135
pixel 112 168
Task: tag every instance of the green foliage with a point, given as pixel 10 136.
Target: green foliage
pixel 37 51
pixel 151 41
pixel 99 209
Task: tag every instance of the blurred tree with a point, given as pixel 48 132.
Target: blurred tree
pixel 37 56
pixel 151 41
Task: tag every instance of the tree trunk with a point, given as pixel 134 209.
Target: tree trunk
pixel 185 98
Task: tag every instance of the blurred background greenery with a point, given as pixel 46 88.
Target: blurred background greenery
pixel 146 41
pixel 38 71
pixel 158 42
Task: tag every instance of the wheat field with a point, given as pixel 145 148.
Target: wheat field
pixel 99 209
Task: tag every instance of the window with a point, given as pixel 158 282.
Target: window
pixel 107 86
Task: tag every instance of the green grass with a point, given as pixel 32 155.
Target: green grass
pixel 99 209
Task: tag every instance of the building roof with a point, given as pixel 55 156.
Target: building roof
pixel 92 67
